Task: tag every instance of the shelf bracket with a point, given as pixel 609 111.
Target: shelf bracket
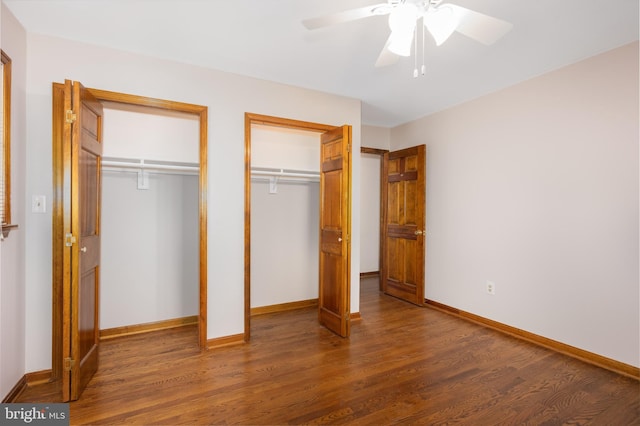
pixel 143 179
pixel 273 184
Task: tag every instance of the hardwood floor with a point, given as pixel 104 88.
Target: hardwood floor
pixel 402 364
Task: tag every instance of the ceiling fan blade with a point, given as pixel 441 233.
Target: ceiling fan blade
pixel 346 16
pixel 478 26
pixel 386 56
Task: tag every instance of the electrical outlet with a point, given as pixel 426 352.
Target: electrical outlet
pixel 491 287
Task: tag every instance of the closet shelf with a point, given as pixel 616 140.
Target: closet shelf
pixel 137 165
pixel 285 173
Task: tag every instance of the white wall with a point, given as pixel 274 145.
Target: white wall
pixel 284 242
pixel 370 212
pixel 150 134
pixel 376 137
pixel 535 188
pixel 150 249
pixel 228 97
pixel 12 250
pixel 281 148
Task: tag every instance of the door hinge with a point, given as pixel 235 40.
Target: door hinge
pixel 349 148
pixel 69 364
pixel 70 117
pixel 69 240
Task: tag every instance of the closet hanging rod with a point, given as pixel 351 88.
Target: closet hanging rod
pixel 117 163
pixel 285 173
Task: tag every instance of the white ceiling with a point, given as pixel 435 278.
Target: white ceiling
pixel 265 39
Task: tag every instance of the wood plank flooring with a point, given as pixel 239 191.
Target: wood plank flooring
pixel 402 365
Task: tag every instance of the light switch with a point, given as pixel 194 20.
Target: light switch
pixel 38 204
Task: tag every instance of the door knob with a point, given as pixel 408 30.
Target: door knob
pixel 339 239
pixel 83 249
pixel 418 232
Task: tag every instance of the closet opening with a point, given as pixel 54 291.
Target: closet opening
pixel 150 172
pixel 297 205
pixel 146 172
pixel 285 205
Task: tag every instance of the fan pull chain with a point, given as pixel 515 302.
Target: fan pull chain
pixel 415 53
pixel 423 69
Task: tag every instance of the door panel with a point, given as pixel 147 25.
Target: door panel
pixel 403 236
pixel 83 140
pixel 334 292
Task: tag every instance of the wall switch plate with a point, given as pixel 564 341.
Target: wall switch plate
pixel 491 287
pixel 38 204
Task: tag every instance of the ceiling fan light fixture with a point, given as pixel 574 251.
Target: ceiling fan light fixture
pixel 403 18
pixel 441 23
pixel 400 43
pixel 402 21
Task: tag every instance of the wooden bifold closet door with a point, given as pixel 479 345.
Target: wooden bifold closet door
pixel 80 177
pixel 334 292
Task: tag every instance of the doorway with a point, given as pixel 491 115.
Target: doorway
pixel 149 250
pixel 60 206
pixel 285 183
pixel 371 229
pixel 400 243
pixel 335 219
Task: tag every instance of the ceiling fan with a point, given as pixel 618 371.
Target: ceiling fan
pixel 440 20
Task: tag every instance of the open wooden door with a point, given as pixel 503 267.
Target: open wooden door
pixel 81 153
pixel 335 230
pixel 403 247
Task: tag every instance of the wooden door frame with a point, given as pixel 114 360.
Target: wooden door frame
pixel 380 153
pixel 57 209
pixel 251 119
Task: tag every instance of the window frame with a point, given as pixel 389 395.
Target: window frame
pixel 6 145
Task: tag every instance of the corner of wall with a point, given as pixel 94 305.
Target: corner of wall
pixel 12 253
